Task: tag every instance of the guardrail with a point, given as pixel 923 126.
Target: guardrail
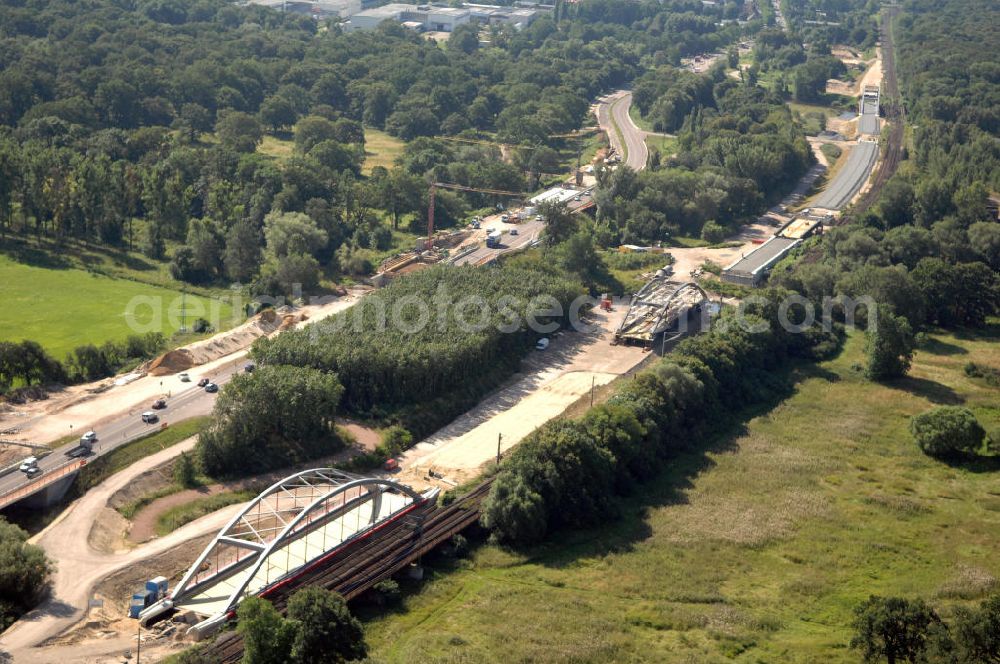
pixel 4 472
pixel 48 478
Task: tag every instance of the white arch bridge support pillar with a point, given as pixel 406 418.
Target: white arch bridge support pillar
pixel 276 536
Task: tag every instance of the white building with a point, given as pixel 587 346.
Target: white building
pixel 493 14
pixel 427 17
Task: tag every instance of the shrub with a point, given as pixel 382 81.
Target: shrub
pixel 946 430
pixel 184 471
pixel 395 440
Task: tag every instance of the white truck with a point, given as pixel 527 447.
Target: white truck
pixel 85 445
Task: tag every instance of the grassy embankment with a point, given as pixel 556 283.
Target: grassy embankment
pixel 180 515
pixel 754 548
pixel 665 145
pixel 62 307
pixel 103 467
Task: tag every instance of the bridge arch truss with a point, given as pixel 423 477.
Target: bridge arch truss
pixel 291 524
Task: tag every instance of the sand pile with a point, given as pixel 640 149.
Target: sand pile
pixel 182 359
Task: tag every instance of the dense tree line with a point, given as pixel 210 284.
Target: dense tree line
pixel 275 417
pixel 318 628
pixel 24 573
pixel 26 363
pixel 929 251
pixel 104 110
pixel 442 335
pixel 738 149
pixel 568 472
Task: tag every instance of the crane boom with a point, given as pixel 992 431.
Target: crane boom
pixel 457 187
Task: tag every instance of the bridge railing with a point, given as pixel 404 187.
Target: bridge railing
pixel 48 478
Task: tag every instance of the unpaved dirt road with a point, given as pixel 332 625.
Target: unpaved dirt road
pixel 79 567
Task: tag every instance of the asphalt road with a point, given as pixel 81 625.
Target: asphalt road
pixel 849 178
pixel 617 106
pixel 187 400
pixel 527 232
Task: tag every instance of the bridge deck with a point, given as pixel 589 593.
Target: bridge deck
pixel 652 310
pixel 289 557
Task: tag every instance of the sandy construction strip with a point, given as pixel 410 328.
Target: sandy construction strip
pixel 553 380
pixel 460 458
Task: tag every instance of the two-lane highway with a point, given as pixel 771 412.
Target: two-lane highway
pixel 626 138
pixel 186 400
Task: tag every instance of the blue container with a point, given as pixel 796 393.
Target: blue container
pixel 157 586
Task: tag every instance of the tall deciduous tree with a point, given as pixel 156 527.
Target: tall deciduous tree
pixel 326 632
pixel 892 628
pixel 888 345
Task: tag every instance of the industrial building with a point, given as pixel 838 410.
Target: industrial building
pixel 555 195
pixel 319 10
pixel 418 17
pixel 495 14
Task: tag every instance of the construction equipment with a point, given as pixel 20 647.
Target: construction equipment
pixel 659 306
pixel 429 244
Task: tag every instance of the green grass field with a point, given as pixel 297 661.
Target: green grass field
pixel 280 149
pixel 381 149
pixel 754 548
pixel 64 308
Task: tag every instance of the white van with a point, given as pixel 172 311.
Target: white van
pixel 28 464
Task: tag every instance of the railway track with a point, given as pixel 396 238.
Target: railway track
pixel 360 567
pixel 895 113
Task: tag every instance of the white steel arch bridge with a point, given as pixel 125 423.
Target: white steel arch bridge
pixel 289 528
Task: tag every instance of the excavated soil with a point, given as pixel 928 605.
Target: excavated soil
pixel 263 324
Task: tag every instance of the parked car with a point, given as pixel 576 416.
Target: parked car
pixel 28 464
pixel 149 417
pixel 159 404
pixel 211 387
pixel 249 367
pixel 505 217
pixel 185 378
pixel 542 344
pixel 513 231
pixel 34 471
pixel 203 382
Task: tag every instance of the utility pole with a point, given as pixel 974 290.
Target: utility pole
pixel 499 438
pixel 593 383
pixel 138 642
pixel 430 219
pixel 184 309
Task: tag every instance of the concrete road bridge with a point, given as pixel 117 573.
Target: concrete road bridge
pixel 295 525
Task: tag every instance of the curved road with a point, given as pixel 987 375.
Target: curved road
pixel 79 567
pixel 188 401
pixel 625 137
